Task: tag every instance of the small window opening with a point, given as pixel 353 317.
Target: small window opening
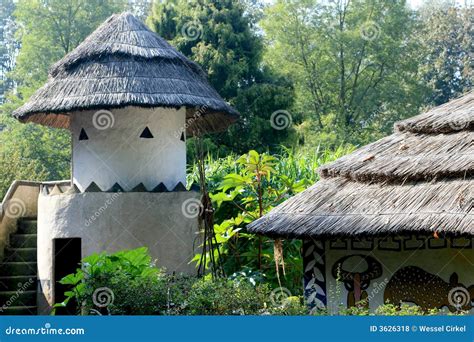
pixel 83 135
pixel 146 134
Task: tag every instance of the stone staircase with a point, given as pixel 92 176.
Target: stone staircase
pixel 18 271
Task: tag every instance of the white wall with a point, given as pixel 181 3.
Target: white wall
pixel 116 153
pixel 117 221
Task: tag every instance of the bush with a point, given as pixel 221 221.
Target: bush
pixel 127 283
pixel 291 306
pixel 122 283
pixel 226 297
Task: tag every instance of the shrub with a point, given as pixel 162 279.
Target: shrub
pixel 226 297
pixel 126 281
pixel 291 306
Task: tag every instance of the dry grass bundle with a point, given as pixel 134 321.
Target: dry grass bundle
pixel 121 64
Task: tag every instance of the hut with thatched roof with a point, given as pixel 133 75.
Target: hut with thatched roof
pixel 394 220
pixel 130 100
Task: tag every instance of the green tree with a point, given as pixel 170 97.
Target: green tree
pixel 447 38
pixel 222 37
pixel 8 46
pixel 352 62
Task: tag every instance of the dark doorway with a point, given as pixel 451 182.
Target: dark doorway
pixel 67 256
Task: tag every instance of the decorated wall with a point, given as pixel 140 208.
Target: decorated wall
pixel 165 222
pixel 423 270
pixel 129 146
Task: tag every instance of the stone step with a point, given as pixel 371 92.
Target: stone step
pixel 13 283
pixel 27 227
pixel 17 298
pixel 18 268
pixel 20 254
pixel 23 240
pixel 19 310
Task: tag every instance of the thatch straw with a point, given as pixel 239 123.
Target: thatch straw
pixel 455 115
pixel 342 207
pixel 121 64
pixel 408 182
pixel 408 156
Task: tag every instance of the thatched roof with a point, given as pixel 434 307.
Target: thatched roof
pixel 419 179
pixel 123 63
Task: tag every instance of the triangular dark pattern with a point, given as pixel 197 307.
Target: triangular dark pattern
pixel 180 187
pixel 93 188
pixel 146 134
pixel 139 188
pixel 83 135
pixel 160 188
pixel 182 137
pixel 115 188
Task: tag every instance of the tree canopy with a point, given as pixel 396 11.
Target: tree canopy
pixel 222 36
pixel 302 73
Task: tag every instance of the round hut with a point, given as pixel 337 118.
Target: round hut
pixel 130 100
pixel 394 220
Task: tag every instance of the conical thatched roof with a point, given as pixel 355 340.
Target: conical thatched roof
pixel 419 179
pixel 123 63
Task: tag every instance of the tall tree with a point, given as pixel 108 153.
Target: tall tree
pixel 447 39
pixel 352 62
pixel 223 38
pixel 8 46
